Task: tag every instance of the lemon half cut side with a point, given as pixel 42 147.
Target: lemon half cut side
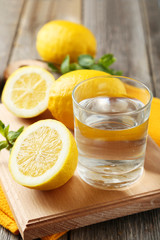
pixel 44 156
pixel 26 91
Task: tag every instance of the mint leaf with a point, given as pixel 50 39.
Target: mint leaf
pixel 107 60
pixel 12 136
pixel 113 72
pixel 85 60
pixel 74 66
pixel 3 144
pixel 98 67
pixel 53 67
pixel 2 127
pixel 65 65
pixel 6 130
pixel 2 124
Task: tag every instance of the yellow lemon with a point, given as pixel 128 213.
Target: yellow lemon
pixel 154 126
pixel 44 156
pixel 26 91
pixel 60 96
pixel 58 38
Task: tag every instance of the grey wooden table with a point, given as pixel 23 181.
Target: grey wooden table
pixel 130 29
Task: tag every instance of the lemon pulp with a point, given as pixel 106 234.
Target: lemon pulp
pixel 48 146
pixel 27 90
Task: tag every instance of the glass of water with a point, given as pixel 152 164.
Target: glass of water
pixel 110 125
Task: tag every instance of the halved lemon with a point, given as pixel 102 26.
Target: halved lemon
pixel 44 156
pixel 26 91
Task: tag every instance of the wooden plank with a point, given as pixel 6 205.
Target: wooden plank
pixel 138 226
pixel 36 13
pixel 10 12
pixel 118 29
pixel 150 11
pixel 69 10
pixel 6 235
pixel 151 21
pixel 76 203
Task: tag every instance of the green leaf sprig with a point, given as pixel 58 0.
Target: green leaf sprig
pixel 10 136
pixel 86 61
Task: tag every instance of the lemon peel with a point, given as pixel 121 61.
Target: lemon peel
pixel 58 38
pixel 60 95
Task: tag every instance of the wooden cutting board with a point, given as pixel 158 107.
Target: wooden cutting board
pixel 75 204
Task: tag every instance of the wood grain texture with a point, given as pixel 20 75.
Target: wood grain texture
pixel 118 28
pixel 150 11
pixel 35 14
pixel 10 12
pixel 135 227
pixel 6 235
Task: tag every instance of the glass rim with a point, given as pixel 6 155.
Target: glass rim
pixel 113 113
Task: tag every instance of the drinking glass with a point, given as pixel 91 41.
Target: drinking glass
pixel 110 125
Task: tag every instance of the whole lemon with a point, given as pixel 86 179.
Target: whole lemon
pixel 58 38
pixel 60 96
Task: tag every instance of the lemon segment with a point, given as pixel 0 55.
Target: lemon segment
pixel 36 164
pixel 44 156
pixel 26 91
